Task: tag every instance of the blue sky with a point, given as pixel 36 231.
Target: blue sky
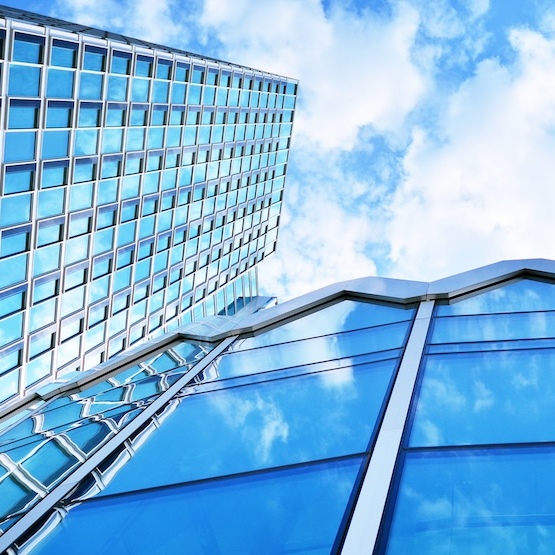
pixel 424 139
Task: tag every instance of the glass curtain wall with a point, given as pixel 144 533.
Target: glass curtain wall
pixel 476 470
pixel 261 452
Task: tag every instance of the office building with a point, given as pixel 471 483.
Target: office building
pixel 141 186
pixel 372 416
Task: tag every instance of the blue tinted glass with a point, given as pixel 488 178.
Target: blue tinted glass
pixel 493 327
pixel 84 171
pixel 143 66
pixel 262 425
pixel 115 116
pixel 80 197
pixel 19 146
pixel 13 270
pixel 42 314
pixel 51 203
pixel 11 328
pixel 86 142
pixel 14 242
pixel 46 259
pixel 54 174
pixel 44 289
pixel 15 209
pixel 60 83
pixel 487 501
pixel 486 398
pixel 59 114
pixel 135 139
pixel 28 48
pixel 308 351
pixel 19 179
pixel 107 191
pixel 121 62
pixel 112 141
pixel 89 115
pixel 524 295
pixel 64 53
pixel 117 88
pixel 12 302
pixel 50 232
pixel 94 58
pixel 103 241
pixel 23 114
pixel 55 144
pixel 99 289
pixel 155 138
pixel 343 316
pixel 139 90
pixel 160 92
pixel 24 81
pixel 291 510
pixel 90 86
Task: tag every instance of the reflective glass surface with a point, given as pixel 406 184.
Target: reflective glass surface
pixel 525 295
pixel 476 501
pixel 270 512
pixel 61 434
pixel 308 351
pixel 292 420
pixel 343 316
pixel 486 398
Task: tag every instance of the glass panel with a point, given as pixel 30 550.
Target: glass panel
pixel 19 146
pixel 487 501
pixel 24 81
pixel 343 316
pixel 294 511
pixel 310 351
pixel 323 415
pixel 493 327
pixel 524 295
pixel 64 53
pixel 60 83
pixel 485 398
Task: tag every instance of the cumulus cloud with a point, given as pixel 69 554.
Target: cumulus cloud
pixel 480 187
pixel 355 69
pixel 162 21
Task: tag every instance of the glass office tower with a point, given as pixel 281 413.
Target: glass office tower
pixel 140 187
pixel 373 416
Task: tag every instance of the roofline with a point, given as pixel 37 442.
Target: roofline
pixel 216 328
pixel 379 289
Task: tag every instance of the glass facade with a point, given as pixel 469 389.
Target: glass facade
pixel 140 187
pixel 353 423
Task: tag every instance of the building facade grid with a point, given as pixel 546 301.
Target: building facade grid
pixel 140 188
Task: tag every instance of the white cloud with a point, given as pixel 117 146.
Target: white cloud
pixel 325 229
pixel 481 188
pixel 354 70
pixel 160 21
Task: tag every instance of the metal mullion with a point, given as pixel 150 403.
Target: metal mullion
pixel 364 525
pixel 65 487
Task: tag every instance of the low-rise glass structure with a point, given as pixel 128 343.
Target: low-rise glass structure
pixel 374 416
pixel 140 186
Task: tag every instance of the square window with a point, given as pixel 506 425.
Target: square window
pixel 15 209
pixel 23 114
pixel 121 62
pixel 24 81
pixel 28 48
pixel 117 87
pixel 94 59
pixel 19 178
pixel 64 53
pixel 14 241
pixel 90 87
pixel 55 144
pixel 19 146
pixel 59 114
pixel 60 83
